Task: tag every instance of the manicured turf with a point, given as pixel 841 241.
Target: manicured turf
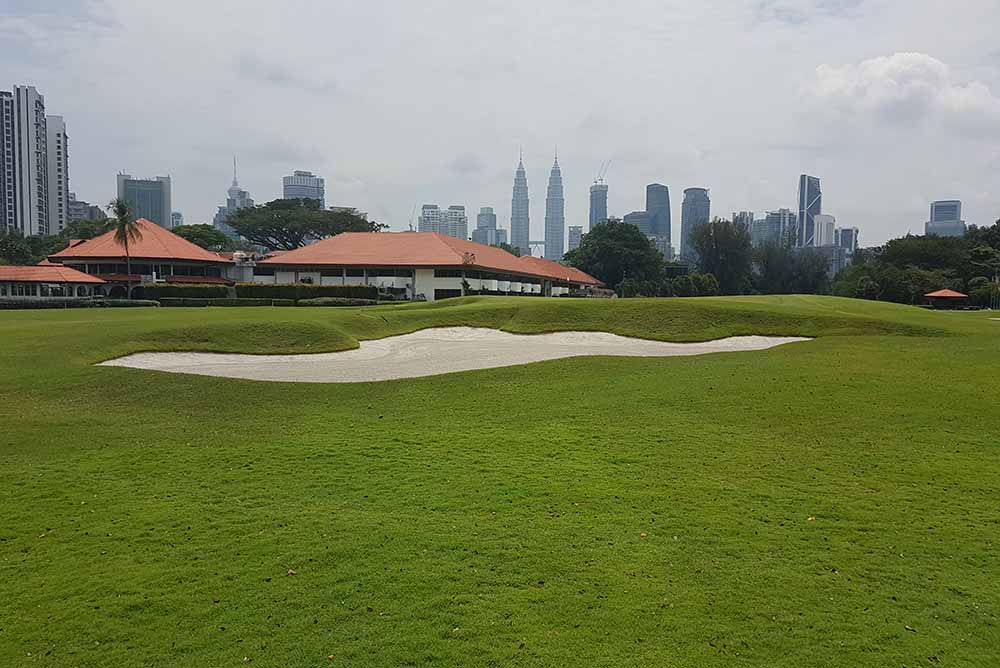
pixel 826 503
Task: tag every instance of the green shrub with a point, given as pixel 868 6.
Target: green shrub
pixel 36 302
pixel 336 301
pixel 298 291
pixel 203 290
pixel 197 301
pixel 125 302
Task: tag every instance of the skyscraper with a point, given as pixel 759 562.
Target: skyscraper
pixel 451 221
pixel 946 219
pixel 696 209
pixel 555 215
pixel 58 173
pixel 7 165
pixel 575 236
pixel 236 199
pixel 176 219
pixel 638 218
pixel 598 203
pixel 24 201
pixel 823 230
pixel 304 185
pixel 744 218
pixel 486 231
pixel 658 208
pixel 776 227
pixel 810 205
pixel 520 229
pixel 847 238
pixel 147 198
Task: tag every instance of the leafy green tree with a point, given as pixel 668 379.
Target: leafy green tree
pixel 14 248
pixel 985 236
pixel 613 251
pixel 723 250
pixel 126 232
pixel 18 249
pixel 85 229
pixel 705 285
pixel 206 236
pixel 928 252
pixel 683 286
pixel 287 224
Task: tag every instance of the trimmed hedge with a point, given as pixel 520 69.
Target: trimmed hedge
pixel 70 302
pixel 35 302
pixel 203 290
pixel 298 291
pixel 126 303
pixel 197 301
pixel 336 301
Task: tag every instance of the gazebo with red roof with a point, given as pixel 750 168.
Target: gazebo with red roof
pixel 946 299
pixel 158 255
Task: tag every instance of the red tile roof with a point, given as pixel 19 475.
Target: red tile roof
pixel 558 271
pixel 420 249
pixel 45 274
pixel 946 293
pixel 157 243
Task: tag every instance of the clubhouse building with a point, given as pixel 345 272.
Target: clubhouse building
pixel 411 265
pixel 421 265
pixel 159 256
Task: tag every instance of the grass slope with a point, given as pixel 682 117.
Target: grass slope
pixel 803 506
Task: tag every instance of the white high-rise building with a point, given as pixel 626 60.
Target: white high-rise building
pixel 24 202
pixel 304 185
pixel 58 173
pixel 8 167
pixel 451 221
pixel 824 227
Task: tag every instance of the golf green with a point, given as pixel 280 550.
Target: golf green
pixel 825 503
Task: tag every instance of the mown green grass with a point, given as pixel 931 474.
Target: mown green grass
pixel 800 506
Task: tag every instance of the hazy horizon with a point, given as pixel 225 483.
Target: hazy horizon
pixel 892 104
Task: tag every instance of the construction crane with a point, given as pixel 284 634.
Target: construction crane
pixel 602 172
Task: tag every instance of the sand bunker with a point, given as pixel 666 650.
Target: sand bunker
pixel 430 352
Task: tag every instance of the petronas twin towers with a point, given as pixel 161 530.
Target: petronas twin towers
pixel 555 213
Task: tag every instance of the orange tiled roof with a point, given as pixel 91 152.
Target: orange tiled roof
pixel 157 243
pixel 558 271
pixel 45 274
pixel 420 249
pixel 946 293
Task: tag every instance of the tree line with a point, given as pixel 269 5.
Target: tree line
pixel 903 270
pixel 623 257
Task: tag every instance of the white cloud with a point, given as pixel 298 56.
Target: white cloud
pixel 907 87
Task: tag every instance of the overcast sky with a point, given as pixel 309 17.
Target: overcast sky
pixel 892 103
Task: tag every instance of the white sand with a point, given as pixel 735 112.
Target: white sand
pixel 430 352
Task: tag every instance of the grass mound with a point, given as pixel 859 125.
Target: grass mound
pixel 253 336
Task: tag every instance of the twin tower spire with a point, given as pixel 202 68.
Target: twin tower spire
pixel 555 212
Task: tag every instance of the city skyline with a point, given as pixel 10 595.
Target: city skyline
pixel 873 89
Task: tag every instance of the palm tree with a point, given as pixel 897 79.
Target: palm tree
pixel 126 231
